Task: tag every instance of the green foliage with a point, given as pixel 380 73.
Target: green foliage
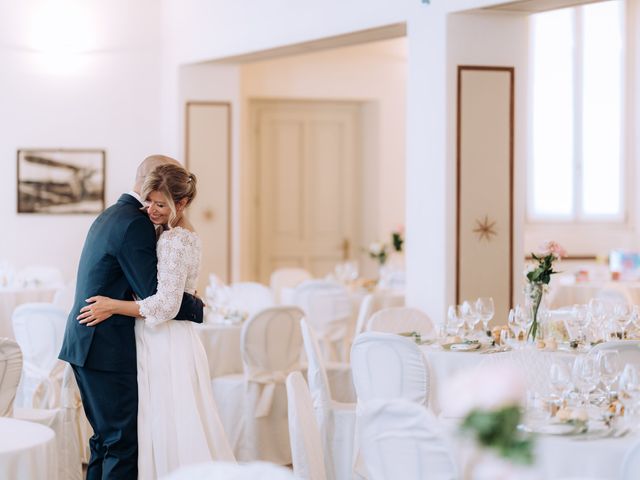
pixel 542 273
pixel 498 430
pixel 397 241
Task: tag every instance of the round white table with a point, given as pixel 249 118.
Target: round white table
pixel 222 344
pixel 11 297
pixel 562 295
pixel 27 451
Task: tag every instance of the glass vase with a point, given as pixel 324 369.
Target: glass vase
pixel 534 292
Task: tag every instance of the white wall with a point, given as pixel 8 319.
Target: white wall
pixel 493 39
pixel 373 74
pixel 107 98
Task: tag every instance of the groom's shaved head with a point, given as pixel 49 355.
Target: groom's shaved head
pixel 148 165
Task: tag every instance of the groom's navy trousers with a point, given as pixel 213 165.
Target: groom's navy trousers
pixel 118 260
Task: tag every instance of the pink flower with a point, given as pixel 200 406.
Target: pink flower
pixel 553 248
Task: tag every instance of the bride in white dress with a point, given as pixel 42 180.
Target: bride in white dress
pixel 178 421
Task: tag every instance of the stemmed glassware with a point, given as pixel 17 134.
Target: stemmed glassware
pixel 485 310
pixel 454 320
pixel 560 380
pixel 629 388
pixel 514 323
pixel 622 317
pixel 585 375
pixel 610 365
pixel 469 315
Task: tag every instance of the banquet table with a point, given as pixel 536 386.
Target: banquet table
pixel 27 451
pixel 563 295
pixel 11 297
pixel 222 344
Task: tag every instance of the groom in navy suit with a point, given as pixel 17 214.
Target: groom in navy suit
pixel 119 261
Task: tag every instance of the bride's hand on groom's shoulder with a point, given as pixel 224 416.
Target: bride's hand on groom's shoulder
pixel 99 308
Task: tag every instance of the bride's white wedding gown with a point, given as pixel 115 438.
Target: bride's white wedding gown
pixel 178 421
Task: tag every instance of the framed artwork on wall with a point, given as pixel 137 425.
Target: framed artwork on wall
pixel 66 181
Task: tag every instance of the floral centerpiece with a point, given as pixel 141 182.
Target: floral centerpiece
pixel 379 252
pixel 397 239
pixel 489 401
pixel 538 278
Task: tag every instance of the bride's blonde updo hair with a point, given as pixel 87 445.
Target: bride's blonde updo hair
pixel 174 182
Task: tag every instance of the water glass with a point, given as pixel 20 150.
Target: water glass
pixel 485 310
pixel 585 375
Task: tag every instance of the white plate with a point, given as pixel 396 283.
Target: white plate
pixel 463 347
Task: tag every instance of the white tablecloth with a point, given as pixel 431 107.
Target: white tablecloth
pixel 443 364
pixel 580 293
pixel 222 344
pixel 568 457
pixel 27 451
pixel 10 298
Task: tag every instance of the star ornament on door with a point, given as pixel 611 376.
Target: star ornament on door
pixel 485 229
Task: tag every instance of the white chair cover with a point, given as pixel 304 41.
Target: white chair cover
pixel 39 329
pixel 401 439
pixel 389 366
pixel 64 297
pixel 374 302
pixel 401 320
pixel 306 444
pixel 39 276
pixel 287 278
pixel 629 350
pixel 250 297
pixel 327 308
pixel 336 420
pixel 10 371
pixel 231 471
pixel 253 406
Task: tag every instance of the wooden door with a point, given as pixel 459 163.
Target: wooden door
pixel 309 185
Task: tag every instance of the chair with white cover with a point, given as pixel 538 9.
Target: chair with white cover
pixel 327 307
pixel 401 320
pixel 231 471
pixel 39 329
pixel 306 444
pixel 336 420
pixel 72 436
pixel 10 371
pixel 250 297
pixel 374 302
pixel 629 350
pixel 253 405
pixel 402 439
pixel 65 296
pixel 288 278
pixel 389 366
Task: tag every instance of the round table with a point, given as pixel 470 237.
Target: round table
pixel 222 344
pixel 27 451
pixel 11 297
pixel 562 295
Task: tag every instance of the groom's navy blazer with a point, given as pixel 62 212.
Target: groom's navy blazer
pixel 118 260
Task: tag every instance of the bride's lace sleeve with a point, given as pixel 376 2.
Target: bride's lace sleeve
pixel 172 276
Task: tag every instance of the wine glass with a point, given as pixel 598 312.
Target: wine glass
pixel 470 317
pixel 560 380
pixel 610 364
pixel 454 320
pixel 514 324
pixel 622 317
pixel 585 375
pixel 629 388
pixel 485 310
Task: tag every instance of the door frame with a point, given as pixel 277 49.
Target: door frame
pixel 251 177
pixel 187 106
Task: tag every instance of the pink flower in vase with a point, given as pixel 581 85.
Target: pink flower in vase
pixel 553 248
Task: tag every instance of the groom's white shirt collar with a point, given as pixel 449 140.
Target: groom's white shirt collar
pixel 135 195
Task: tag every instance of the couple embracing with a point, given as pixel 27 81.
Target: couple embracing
pixel 130 338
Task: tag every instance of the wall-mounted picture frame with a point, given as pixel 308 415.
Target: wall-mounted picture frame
pixel 61 181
